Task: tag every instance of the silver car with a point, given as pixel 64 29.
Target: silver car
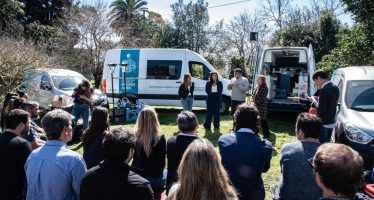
pixel 355 117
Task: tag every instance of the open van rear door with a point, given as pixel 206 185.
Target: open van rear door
pixel 311 69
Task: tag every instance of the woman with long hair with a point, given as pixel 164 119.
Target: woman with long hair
pixel 92 138
pixel 259 101
pixel 150 150
pixel 82 101
pixel 201 175
pixel 185 92
pixel 213 88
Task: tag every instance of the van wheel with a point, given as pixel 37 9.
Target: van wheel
pixel 225 105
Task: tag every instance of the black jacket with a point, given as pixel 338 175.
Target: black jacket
pixel 183 92
pixel 114 180
pixel 213 99
pixel 327 102
pixel 176 146
pixel 152 166
pixel 14 151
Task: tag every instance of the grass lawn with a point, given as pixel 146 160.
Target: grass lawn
pixel 282 124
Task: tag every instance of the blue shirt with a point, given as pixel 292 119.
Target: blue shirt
pixel 54 172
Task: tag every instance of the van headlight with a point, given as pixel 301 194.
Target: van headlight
pixel 356 135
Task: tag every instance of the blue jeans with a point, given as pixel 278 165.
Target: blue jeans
pixel 187 103
pixel 325 135
pixel 81 109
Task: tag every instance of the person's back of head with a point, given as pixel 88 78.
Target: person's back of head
pixel 338 168
pixel 309 125
pixel 246 116
pixel 55 122
pixel 99 124
pixel 147 129
pixel 321 74
pixel 201 174
pixel 28 105
pixel 187 122
pixel 119 145
pixel 15 118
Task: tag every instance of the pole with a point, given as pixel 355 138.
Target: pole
pixel 124 83
pixel 114 111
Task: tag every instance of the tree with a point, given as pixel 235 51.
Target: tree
pixel 237 62
pixel 276 11
pixel 16 56
pixel 125 18
pixel 94 38
pixel 46 12
pixel 11 13
pixel 190 22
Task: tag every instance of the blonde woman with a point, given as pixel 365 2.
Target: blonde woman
pixel 201 175
pixel 259 101
pixel 150 150
pixel 185 92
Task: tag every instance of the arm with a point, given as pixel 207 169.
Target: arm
pixel 229 86
pixel 161 154
pixel 219 87
pixel 245 86
pixel 208 88
pixel 262 93
pixel 322 102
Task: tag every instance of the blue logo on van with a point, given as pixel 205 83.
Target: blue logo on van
pixel 131 58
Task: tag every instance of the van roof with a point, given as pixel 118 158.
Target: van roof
pixel 58 72
pixel 358 72
pixel 284 48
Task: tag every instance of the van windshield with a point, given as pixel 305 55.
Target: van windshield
pixel 66 83
pixel 360 95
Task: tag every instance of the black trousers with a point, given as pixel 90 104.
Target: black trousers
pixel 234 104
pixel 265 127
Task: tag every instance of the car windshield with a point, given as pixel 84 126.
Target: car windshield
pixel 360 95
pixel 66 83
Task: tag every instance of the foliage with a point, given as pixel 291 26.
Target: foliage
pixel 46 12
pixel 354 48
pixel 190 24
pixel 16 56
pixel 42 34
pixel 237 62
pixel 11 13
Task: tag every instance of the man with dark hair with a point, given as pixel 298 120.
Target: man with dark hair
pixel 338 171
pixel 297 179
pixel 176 145
pixel 326 103
pixel 54 171
pixel 14 151
pixel 245 155
pixel 239 86
pixel 113 178
pixel 35 132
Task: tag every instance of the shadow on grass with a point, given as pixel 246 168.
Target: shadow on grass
pixel 212 136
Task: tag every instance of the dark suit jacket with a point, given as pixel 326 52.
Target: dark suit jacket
pixel 176 146
pixel 114 180
pixel 245 157
pixel 327 102
pixel 213 99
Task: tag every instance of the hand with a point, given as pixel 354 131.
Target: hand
pixel 82 96
pixel 311 99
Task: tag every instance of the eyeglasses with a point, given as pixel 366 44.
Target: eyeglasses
pixel 311 162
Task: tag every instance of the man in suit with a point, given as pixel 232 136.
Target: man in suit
pixel 326 103
pixel 176 145
pixel 245 155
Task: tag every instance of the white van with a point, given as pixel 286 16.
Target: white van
pixel 44 84
pixel 288 72
pixel 154 76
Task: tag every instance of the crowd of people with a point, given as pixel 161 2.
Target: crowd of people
pixel 131 164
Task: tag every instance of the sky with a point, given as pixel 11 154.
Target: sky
pixel 226 12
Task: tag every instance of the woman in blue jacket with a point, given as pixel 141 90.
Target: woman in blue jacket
pixel 214 89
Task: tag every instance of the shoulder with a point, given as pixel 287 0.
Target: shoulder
pixel 290 147
pixel 227 139
pixel 137 180
pixel 172 140
pixel 174 189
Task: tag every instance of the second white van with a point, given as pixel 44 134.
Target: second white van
pixel 154 76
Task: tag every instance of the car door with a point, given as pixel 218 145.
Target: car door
pixel 200 75
pixel 45 91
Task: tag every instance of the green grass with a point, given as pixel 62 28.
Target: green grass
pixel 282 124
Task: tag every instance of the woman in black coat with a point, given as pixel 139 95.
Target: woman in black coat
pixel 259 101
pixel 214 89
